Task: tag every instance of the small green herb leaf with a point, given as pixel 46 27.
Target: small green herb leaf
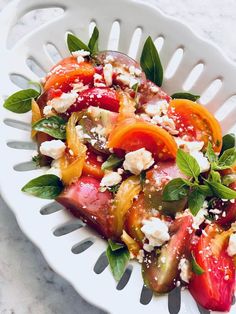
pixel 36 159
pixel 211 154
pixel 229 178
pixel 205 189
pixel 197 269
pixel 74 43
pixel 227 159
pixel 118 261
pixel 115 246
pixel 142 178
pixel 229 141
pixel 175 190
pixel 214 176
pixel 47 186
pixel 112 162
pixel 187 164
pixel 195 201
pixel 183 95
pixel 114 189
pixel 151 63
pixel 54 126
pixel 93 41
pixel 221 191
pixel 20 102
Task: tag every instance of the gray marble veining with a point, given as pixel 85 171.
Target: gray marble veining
pixel 27 284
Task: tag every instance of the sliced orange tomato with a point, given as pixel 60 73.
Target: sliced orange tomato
pixel 92 166
pixel 131 244
pixel 132 134
pixel 67 70
pixel 127 106
pixel 196 122
pixel 36 115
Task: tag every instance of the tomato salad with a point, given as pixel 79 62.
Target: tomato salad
pixel 150 172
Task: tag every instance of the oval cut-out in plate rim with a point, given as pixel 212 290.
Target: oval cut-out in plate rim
pixel 127 299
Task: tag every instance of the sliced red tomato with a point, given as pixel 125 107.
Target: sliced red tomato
pixel 92 166
pixel 67 71
pixel 84 199
pixel 132 134
pixel 195 122
pixel 150 93
pixel 157 180
pixel 214 289
pixel 160 271
pixel 105 98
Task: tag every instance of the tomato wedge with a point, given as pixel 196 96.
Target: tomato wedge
pixel 195 122
pixel 92 166
pixel 67 70
pixel 133 134
pixel 214 289
pixel 105 98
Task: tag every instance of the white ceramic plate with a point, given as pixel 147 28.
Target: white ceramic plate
pixel 189 62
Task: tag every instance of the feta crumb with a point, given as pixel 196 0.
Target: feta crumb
pixel 82 136
pixel 140 256
pixel 127 80
pixel 134 71
pixel 155 231
pixel 111 178
pixel 231 250
pixel 215 211
pixel 109 59
pixel 80 54
pixel 79 87
pixel 98 80
pixel 55 168
pixel 200 217
pixel 54 149
pixel 165 122
pixel 201 160
pixel 154 89
pixel 47 111
pixel 189 147
pixel 107 72
pixel 138 161
pixel 184 267
pixel 99 159
pixel 62 104
pixel 156 109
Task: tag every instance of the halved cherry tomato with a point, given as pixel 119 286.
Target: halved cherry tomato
pixel 67 70
pixel 214 289
pixel 195 122
pixel 132 134
pixel 84 199
pixel 92 166
pixel 105 98
pixel 160 272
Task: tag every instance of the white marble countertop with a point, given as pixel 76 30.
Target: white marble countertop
pixel 27 284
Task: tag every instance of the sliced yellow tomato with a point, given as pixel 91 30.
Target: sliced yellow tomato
pixel 36 115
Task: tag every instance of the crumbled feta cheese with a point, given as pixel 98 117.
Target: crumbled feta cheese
pixel 200 217
pixel 156 109
pixel 138 161
pixel 98 80
pixel 109 59
pixel 54 149
pixel 107 72
pixel 155 231
pixel 189 147
pixel 134 71
pixel 184 267
pixel 62 104
pixel 231 250
pixel 47 111
pixel 154 89
pixel 215 211
pixel 55 168
pixel 165 122
pixel 99 159
pixel 79 87
pixel 140 256
pixel 82 136
pixel 111 178
pixel 201 160
pixel 80 54
pixel 127 80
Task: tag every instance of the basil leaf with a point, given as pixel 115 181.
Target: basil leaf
pixel 221 191
pixel 214 176
pixel 175 190
pixel 93 41
pixel 227 159
pixel 36 159
pixel 74 43
pixel 112 162
pixel 114 189
pixel 229 141
pixel 47 186
pixel 118 261
pixel 150 62
pixel 20 102
pixel 196 268
pixel 195 201
pixel 183 95
pixel 54 126
pixel 211 154
pixel 187 164
pixel 205 189
pixel 229 178
pixel 115 246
